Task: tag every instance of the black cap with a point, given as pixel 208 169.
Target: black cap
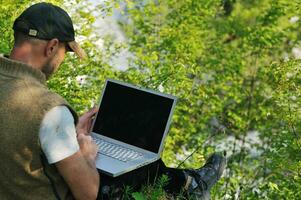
pixel 46 21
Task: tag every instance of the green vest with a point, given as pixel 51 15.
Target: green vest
pixel 24 100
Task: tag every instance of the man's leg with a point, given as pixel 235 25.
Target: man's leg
pixel 200 181
pixel 197 183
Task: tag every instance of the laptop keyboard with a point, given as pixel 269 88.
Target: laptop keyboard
pixel 116 151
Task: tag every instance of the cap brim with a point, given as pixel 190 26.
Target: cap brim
pixel 74 46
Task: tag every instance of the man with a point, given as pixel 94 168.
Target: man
pixel 45 150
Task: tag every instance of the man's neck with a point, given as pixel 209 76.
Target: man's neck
pixel 24 54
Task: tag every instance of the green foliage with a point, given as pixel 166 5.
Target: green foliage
pixel 81 81
pixel 153 191
pixel 229 62
pixel 225 62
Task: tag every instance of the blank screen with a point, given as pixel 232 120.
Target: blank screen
pixel 133 116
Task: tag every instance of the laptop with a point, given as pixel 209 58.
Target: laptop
pixel 130 127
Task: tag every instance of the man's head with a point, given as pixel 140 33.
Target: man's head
pixel 43 34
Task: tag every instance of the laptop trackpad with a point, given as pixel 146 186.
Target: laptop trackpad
pixel 112 166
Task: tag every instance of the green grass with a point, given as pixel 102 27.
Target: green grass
pixel 153 191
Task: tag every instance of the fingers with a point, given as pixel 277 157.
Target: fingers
pixel 84 138
pixel 92 112
pixel 85 121
pixel 82 131
pixel 87 146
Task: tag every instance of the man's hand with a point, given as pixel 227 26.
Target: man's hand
pixel 88 148
pixel 79 170
pixel 85 121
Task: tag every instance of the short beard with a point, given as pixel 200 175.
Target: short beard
pixel 48 69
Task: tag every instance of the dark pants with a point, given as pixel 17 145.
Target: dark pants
pixel 113 188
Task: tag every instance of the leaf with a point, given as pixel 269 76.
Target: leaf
pixel 138 196
pixel 273 186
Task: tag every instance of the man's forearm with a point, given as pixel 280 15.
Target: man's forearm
pixel 89 159
pixel 92 173
pixel 86 171
pixel 81 176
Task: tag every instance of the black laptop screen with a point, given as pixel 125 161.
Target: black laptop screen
pixel 133 116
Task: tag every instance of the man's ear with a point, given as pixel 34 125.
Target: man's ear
pixel 52 47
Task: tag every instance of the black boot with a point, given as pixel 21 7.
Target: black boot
pixel 200 181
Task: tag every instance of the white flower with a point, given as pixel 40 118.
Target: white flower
pixel 82 79
pixel 296 52
pixel 294 19
pixel 161 88
pixel 100 43
pixel 69 80
pixel 294 98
